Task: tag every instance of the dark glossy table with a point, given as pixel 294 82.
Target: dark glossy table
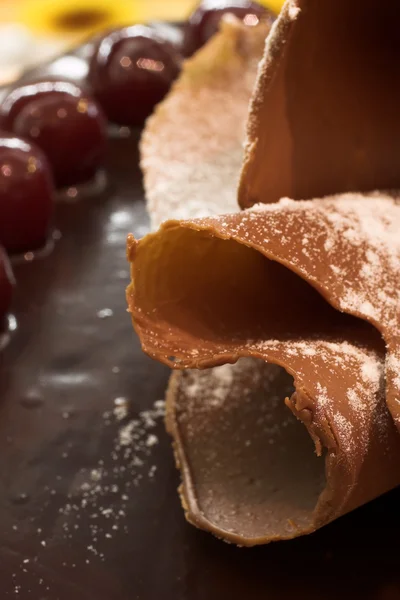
pixel 88 502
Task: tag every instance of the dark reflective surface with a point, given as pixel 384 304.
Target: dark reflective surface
pixel 72 355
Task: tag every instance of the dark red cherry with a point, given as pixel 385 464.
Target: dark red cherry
pixel 64 122
pixel 204 21
pixel 26 195
pixel 131 71
pixel 7 283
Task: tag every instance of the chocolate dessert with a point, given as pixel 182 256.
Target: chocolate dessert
pixel 308 285
pixel 88 484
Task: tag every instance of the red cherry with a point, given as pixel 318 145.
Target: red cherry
pixel 204 21
pixel 7 283
pixel 131 71
pixel 26 195
pixel 64 122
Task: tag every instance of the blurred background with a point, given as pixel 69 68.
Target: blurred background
pixel 32 31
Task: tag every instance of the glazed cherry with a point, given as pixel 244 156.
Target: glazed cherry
pixel 131 71
pixel 204 21
pixel 64 122
pixel 26 195
pixel 7 283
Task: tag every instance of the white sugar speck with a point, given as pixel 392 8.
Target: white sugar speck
pixel 151 440
pixel 105 313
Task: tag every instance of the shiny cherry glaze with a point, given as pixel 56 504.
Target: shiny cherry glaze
pixel 64 122
pixel 131 71
pixel 204 21
pixel 7 283
pixel 26 195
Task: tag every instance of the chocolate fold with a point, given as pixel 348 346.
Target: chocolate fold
pixel 324 115
pixel 303 285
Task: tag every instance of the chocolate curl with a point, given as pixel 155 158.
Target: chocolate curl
pixel 324 115
pixel 274 283
pixel 192 146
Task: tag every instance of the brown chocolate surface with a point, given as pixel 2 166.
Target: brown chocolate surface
pixel 244 302
pixel 324 119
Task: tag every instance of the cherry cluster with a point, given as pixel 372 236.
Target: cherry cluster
pixel 53 134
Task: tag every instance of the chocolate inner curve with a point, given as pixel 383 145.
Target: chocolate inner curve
pixel 249 466
pixel 240 296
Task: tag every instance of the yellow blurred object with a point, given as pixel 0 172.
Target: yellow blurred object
pixel 173 10
pixel 83 17
pixel 176 10
pixel 274 5
pixel 75 17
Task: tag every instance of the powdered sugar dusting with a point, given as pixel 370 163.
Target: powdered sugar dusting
pixel 192 147
pixel 323 398
pixel 345 430
pixel 220 389
pixel 393 366
pixel 104 491
pixel 343 379
pixel 366 229
pixel 355 401
pixel 293 10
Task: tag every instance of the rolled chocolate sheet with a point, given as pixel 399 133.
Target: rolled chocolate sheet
pixel 249 475
pixel 324 115
pixel 283 283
